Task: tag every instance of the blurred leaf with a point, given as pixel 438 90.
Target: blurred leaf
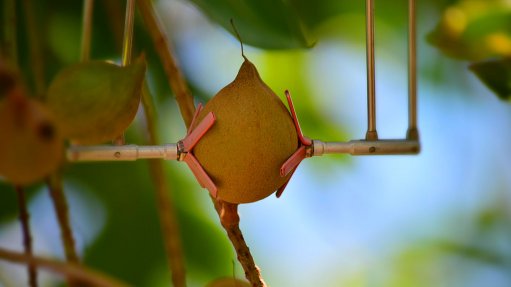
pixel 262 23
pixel 473 252
pixel 495 74
pixel 474 30
pixel 96 101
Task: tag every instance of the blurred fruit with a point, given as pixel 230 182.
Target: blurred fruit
pixel 96 101
pixel 30 145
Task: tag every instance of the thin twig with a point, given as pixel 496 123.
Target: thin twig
pixel 88 6
pixel 36 52
pixel 62 211
pixel 127 46
pixel 176 79
pixel 166 211
pixel 229 218
pixel 71 270
pixel 10 40
pixel 27 236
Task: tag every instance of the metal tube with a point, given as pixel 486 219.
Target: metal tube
pixel 121 153
pixel 412 133
pixel 371 90
pixel 363 147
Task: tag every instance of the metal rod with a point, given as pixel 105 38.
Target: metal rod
pixel 363 147
pixel 413 133
pixel 371 90
pixel 121 153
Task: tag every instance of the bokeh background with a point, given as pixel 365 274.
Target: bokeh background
pixel 442 218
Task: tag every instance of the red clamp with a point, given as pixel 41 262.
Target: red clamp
pixel 185 146
pixel 305 148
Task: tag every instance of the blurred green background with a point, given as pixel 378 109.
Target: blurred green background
pixel 442 218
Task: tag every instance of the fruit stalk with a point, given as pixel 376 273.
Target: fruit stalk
pixel 166 211
pixel 27 236
pixel 230 220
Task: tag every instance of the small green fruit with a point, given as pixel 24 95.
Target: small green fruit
pixel 252 137
pixel 96 101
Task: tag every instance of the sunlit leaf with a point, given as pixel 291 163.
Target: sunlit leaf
pixel 96 101
pixel 496 75
pixel 262 23
pixel 474 30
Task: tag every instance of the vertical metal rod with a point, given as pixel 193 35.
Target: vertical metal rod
pixel 127 45
pixel 371 91
pixel 412 133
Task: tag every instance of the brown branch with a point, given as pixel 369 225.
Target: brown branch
pixel 27 236
pixel 230 220
pixel 62 211
pixel 71 270
pixel 36 52
pixel 176 79
pixel 166 211
pixel 10 41
pixel 88 6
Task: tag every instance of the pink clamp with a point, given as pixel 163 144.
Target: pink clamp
pixel 185 146
pixel 304 150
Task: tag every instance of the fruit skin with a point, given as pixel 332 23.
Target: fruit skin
pixel 252 137
pixel 30 144
pixel 96 101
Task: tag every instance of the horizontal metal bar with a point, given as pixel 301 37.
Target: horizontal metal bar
pixel 363 147
pixel 121 153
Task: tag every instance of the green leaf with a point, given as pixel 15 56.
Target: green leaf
pixel 474 30
pixel 496 75
pixel 263 23
pixel 96 101
pixel 228 282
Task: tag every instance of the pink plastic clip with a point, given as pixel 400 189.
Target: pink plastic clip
pixel 303 151
pixel 186 145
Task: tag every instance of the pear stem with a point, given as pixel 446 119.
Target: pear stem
pixel 239 39
pixel 88 6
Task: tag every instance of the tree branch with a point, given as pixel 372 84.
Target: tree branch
pixel 62 212
pixel 176 79
pixel 88 6
pixel 70 270
pixel 166 212
pixel 27 236
pixel 230 220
